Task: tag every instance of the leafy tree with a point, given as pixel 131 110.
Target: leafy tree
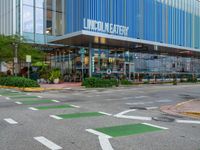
pixel 7 46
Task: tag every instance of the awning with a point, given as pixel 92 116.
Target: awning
pixel 101 40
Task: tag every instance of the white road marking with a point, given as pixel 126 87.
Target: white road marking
pixel 67 88
pixel 125 112
pixel 47 143
pixel 18 103
pixel 75 106
pixel 0 95
pixel 104 113
pixel 98 133
pixel 135 117
pixel 150 108
pixel 56 117
pixel 8 98
pixel 33 108
pixel 122 115
pixel 105 144
pixel 164 101
pixel 56 101
pixel 160 127
pixel 140 103
pixel 10 121
pixel 103 139
pixel 188 121
pixel 39 96
pixel 141 97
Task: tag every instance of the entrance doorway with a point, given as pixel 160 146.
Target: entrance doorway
pixel 129 69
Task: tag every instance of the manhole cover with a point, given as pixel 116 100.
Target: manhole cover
pixel 163 119
pixel 138 108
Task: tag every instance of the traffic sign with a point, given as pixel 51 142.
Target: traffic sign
pixel 82 51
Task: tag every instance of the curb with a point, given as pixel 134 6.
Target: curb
pixel 39 89
pixel 183 103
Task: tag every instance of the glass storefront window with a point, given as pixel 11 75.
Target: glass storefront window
pixel 39 3
pixel 49 4
pixel 105 60
pixel 28 2
pixel 59 23
pixel 28 19
pixel 49 22
pixel 39 24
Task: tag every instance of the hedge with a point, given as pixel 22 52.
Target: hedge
pixel 18 82
pixel 99 83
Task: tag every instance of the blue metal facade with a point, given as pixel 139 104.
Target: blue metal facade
pixel 175 22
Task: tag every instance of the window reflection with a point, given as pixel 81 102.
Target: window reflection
pixel 39 3
pixel 43 24
pixel 39 25
pixel 28 2
pixel 27 18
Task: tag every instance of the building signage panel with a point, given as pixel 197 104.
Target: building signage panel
pixel 104 27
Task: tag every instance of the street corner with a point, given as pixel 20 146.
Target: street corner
pixel 189 108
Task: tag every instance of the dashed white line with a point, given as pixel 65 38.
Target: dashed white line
pixel 75 106
pixel 10 121
pixel 39 96
pixel 164 101
pixel 188 121
pixel 156 126
pixel 141 97
pixel 8 98
pixel 56 101
pixel 104 113
pixel 47 143
pixel 55 117
pixel 19 103
pixel 33 108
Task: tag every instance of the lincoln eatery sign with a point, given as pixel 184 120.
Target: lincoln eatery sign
pixel 104 27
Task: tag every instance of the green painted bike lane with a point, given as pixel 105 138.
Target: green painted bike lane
pixel 126 130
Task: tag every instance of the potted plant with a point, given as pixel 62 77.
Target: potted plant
pixel 55 75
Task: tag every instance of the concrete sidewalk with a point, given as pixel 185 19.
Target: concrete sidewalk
pixel 62 85
pixel 189 108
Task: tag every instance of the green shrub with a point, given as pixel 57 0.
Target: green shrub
pixel 192 79
pixel 18 82
pixel 126 82
pixel 99 83
pixel 54 74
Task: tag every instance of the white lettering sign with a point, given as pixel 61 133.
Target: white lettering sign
pixel 104 27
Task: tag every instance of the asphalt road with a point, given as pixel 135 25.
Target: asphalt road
pixel 78 119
